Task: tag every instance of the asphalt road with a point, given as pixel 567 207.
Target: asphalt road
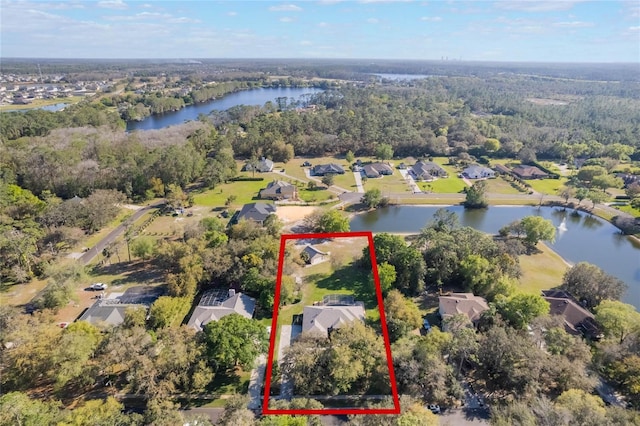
pixel 111 237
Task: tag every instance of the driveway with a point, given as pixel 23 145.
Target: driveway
pixel 463 417
pixel 111 237
pixel 288 333
pixel 255 383
pixel 412 183
pixel 358 177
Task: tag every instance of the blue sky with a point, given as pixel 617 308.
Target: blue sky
pixel 502 30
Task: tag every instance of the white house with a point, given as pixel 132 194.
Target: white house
pixel 478 172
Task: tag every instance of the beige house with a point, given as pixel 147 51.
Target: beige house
pixel 279 190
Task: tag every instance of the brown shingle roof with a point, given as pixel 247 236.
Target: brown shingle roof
pixel 462 303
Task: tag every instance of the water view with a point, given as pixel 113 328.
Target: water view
pixel 579 236
pixel 245 97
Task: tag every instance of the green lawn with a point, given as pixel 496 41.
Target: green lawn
pixel 387 184
pixel 505 161
pixel 628 209
pixel 346 181
pixel 500 186
pixel 245 192
pixel 547 186
pixel 450 185
pixel 315 195
pixel 541 271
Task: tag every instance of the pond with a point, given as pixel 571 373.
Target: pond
pixel 246 97
pixel 579 236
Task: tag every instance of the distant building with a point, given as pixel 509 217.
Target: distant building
pixel 478 172
pixel 263 166
pixel 217 304
pixel 529 172
pixel 336 312
pixel 376 170
pixel 466 304
pixel 279 190
pixel 256 212
pixel 323 169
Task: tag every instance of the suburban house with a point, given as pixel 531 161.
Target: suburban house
pixel 216 304
pixel 334 312
pixel 476 171
pixel 577 320
pixel 376 170
pixel 627 178
pixel 279 190
pixel 324 169
pixel 108 312
pixel 528 172
pixel 427 170
pixel 502 169
pixel 313 256
pixel 466 304
pixel 263 166
pixel 256 212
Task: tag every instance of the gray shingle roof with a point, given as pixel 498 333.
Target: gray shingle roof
pixel 323 169
pixel 239 303
pixel 108 312
pixel 318 319
pixel 257 212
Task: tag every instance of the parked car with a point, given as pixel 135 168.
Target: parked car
pixel 435 408
pixel 98 286
pixel 426 325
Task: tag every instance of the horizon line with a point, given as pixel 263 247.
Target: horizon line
pixel 316 59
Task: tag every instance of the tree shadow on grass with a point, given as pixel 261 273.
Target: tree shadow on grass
pixel 351 278
pixel 134 272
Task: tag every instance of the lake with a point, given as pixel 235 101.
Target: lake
pixel 245 97
pixel 586 238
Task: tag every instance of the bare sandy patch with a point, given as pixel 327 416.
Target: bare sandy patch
pixel 292 214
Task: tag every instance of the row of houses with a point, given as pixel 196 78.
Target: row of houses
pixel 577 320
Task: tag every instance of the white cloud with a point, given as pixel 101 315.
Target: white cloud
pixel 232 13
pixel 323 24
pixel 573 24
pixel 636 28
pixel 183 20
pixel 305 43
pixel 112 4
pixel 286 19
pixel 535 5
pixel 431 18
pixel 285 8
pixel 373 20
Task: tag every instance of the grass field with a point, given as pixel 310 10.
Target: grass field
pixel 244 191
pixel 628 209
pixel 450 185
pixel 547 186
pixel 500 186
pixel 388 184
pixel 295 169
pixel 541 271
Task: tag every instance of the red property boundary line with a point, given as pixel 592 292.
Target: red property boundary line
pixel 383 322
